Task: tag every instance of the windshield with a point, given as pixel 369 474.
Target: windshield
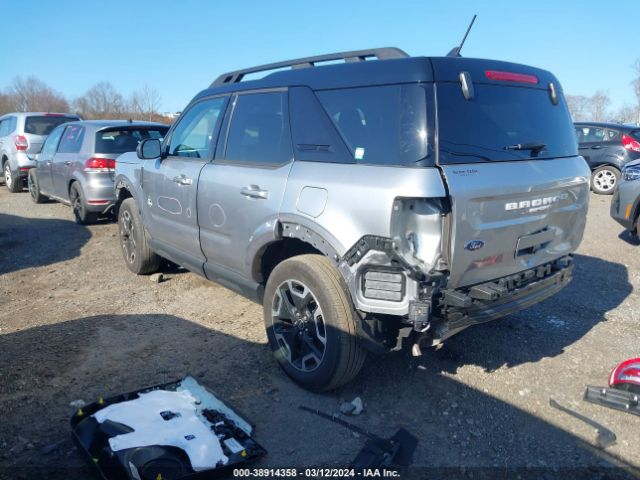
pixel 121 140
pixel 45 124
pixel 502 123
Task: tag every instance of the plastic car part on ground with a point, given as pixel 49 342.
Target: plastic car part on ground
pixel 176 430
pixel 624 394
pixel 605 437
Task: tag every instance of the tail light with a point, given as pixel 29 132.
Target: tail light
pixel 511 77
pixel 21 143
pixel 95 164
pixel 626 375
pixel 630 144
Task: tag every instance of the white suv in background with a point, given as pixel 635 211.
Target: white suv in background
pixel 21 136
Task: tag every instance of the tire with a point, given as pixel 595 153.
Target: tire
pixel 13 184
pixel 604 180
pixel 79 206
pixel 34 188
pixel 311 323
pixel 137 253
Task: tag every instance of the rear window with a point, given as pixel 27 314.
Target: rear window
pixel 498 117
pixel 43 125
pixel 384 125
pixel 122 140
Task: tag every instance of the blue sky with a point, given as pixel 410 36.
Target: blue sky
pixel 179 47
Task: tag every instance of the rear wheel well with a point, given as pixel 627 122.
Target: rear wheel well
pixel 5 159
pixel 277 252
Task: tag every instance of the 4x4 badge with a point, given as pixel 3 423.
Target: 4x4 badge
pixel 473 245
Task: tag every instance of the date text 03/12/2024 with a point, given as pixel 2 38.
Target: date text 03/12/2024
pixel 315 473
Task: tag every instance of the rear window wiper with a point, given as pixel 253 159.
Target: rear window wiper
pixel 535 147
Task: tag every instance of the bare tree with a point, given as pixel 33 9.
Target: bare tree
pixel 627 114
pixel 600 102
pixel 145 104
pixel 579 107
pixel 32 95
pixel 101 101
pixel 636 88
pixel 7 103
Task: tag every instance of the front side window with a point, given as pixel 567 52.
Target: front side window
pixel 71 139
pixel 259 130
pixel 384 125
pixel 51 144
pixel 193 135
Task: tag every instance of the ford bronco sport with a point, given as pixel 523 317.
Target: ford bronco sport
pixel 380 202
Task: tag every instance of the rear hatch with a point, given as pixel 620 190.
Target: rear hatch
pixel 508 153
pixel 38 127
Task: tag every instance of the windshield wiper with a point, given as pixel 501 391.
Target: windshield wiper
pixel 535 147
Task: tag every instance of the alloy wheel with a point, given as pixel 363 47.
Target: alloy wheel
pixel 604 180
pixel 8 178
pixel 298 325
pixel 127 236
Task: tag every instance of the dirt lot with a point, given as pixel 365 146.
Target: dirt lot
pixel 75 324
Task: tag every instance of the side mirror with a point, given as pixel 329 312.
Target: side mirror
pixel 34 157
pixel 149 148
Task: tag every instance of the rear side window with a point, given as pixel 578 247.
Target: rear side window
pixel 589 134
pixel 43 125
pixel 499 117
pixel 635 134
pixel 259 130
pixel 71 141
pixel 381 125
pixel 4 127
pixel 122 140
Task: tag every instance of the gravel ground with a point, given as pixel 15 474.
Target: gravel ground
pixel 76 324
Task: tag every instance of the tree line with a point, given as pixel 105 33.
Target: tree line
pixel 596 108
pixel 30 94
pixel 104 101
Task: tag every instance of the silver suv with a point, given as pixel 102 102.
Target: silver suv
pixel 21 137
pixel 77 163
pixel 383 202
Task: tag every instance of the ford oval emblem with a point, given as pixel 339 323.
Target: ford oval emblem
pixel 473 245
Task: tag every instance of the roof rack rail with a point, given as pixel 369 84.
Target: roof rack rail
pixel 349 57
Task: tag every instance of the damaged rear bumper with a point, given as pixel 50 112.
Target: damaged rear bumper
pixel 462 308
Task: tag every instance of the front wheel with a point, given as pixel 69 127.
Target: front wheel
pixel 604 180
pixel 137 253
pixel 311 323
pixel 34 188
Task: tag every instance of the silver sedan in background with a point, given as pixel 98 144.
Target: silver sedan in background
pixel 77 163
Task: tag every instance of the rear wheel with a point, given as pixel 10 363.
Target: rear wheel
pixel 34 188
pixel 13 183
pixel 604 179
pixel 137 253
pixel 311 323
pixel 79 205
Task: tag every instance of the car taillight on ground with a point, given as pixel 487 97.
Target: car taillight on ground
pixel 626 375
pixel 21 143
pixel 630 144
pixel 95 164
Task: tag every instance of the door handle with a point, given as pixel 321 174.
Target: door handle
pixel 183 180
pixel 254 191
pixel 48 162
pixel 67 163
pixel 596 147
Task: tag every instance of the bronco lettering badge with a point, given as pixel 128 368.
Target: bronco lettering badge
pixel 473 245
pixel 536 204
